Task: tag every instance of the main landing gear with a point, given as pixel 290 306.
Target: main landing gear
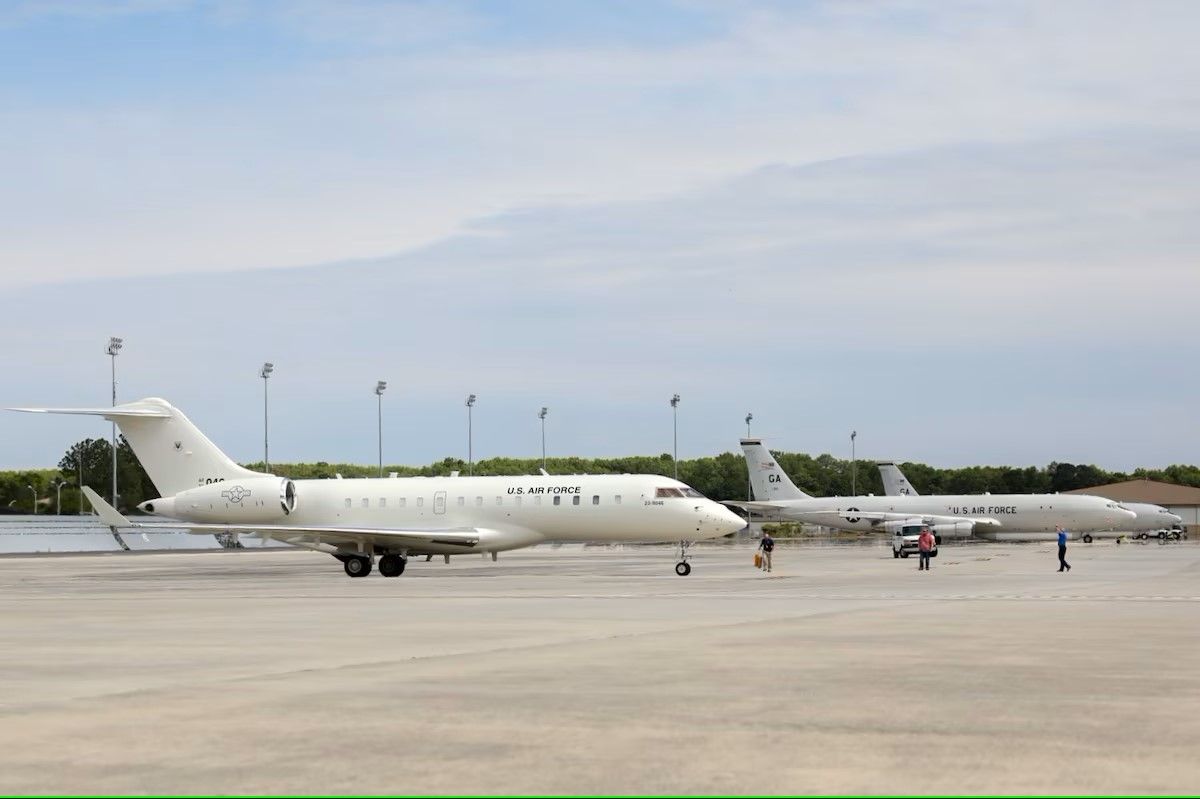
pixel 392 565
pixel 360 565
pixel 683 568
pixel 356 566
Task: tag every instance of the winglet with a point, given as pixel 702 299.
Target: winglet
pixel 107 513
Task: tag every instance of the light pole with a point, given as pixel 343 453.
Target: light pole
pixel 675 433
pixel 380 387
pixel 470 450
pixel 58 501
pixel 33 491
pixel 542 415
pixel 749 484
pixel 114 346
pixel 79 456
pixel 853 465
pixel 265 373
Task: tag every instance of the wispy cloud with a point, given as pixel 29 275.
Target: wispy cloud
pixel 322 155
pixel 990 296
pixel 812 208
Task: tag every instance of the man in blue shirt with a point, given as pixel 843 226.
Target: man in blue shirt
pixel 767 545
pixel 1062 549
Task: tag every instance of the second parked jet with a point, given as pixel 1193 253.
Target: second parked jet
pixel 1148 517
pixel 956 516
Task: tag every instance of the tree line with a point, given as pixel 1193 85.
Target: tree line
pixel 719 477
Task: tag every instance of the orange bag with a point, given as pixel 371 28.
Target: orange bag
pixel 758 560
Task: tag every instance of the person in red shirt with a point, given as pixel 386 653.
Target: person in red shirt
pixel 925 546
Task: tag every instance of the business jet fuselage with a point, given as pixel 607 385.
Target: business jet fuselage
pixel 359 520
pixel 505 512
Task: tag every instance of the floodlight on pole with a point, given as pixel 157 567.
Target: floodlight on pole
pixel 265 373
pixel 79 464
pixel 853 465
pixel 542 415
pixel 470 433
pixel 58 500
pixel 380 387
pixel 114 346
pixel 749 483
pixel 675 433
pixel 33 491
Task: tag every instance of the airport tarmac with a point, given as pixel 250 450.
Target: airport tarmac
pixel 597 670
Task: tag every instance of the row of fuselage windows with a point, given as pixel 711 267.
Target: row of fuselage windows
pixel 419 502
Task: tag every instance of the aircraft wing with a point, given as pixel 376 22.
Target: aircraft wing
pixel 304 535
pixel 926 518
pixel 761 507
pixel 980 523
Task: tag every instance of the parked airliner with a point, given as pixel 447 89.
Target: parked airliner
pixel 956 516
pixel 1147 517
pixel 393 519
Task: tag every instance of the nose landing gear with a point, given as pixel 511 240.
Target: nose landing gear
pixel 683 568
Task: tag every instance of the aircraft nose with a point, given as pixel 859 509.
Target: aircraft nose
pixel 725 520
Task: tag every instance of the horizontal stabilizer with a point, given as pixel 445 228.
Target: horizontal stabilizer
pixel 107 513
pixel 172 450
pixel 117 412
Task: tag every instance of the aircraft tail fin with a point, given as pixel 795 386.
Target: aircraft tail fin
pixel 767 478
pixel 895 484
pixel 171 449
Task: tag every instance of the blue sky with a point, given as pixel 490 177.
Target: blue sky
pixel 964 229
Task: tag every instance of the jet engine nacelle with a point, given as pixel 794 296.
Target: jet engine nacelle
pixel 913 526
pixel 256 500
pixel 952 530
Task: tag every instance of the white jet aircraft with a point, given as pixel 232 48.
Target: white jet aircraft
pixel 956 516
pixel 1148 518
pixel 359 520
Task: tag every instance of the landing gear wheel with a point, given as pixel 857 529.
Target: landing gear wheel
pixel 1162 535
pixel 682 568
pixel 1087 539
pixel 391 565
pixel 356 566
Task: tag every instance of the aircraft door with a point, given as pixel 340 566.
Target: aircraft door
pixel 439 502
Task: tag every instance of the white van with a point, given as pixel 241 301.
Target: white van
pixel 904 541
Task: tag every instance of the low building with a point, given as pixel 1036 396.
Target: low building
pixel 1183 501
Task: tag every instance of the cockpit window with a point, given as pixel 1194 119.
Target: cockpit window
pixel 668 492
pixel 691 492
